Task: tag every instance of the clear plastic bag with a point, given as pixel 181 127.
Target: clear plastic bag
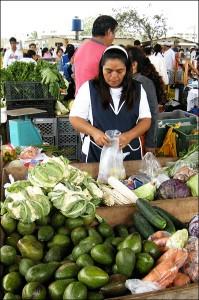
pixel 137 286
pixel 150 166
pixel 111 159
pixel 191 265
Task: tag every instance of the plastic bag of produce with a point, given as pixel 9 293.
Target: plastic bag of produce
pixel 150 166
pixel 178 239
pixel 190 160
pixel 194 226
pixel 191 266
pixel 184 173
pixel 111 159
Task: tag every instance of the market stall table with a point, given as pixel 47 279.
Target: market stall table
pixel 184 209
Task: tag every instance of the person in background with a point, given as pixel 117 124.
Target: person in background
pixel 13 54
pixel 88 55
pixel 160 65
pixel 137 43
pixel 46 53
pixel 169 57
pixel 32 46
pixel 187 53
pixel 30 56
pixel 65 43
pixel 193 53
pixel 138 61
pixel 113 100
pixel 68 61
pixel 59 60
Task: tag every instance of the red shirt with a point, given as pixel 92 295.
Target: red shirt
pixel 86 61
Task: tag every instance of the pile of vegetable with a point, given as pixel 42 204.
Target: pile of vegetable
pixel 54 182
pixel 43 72
pixel 178 180
pixel 56 257
pixel 63 107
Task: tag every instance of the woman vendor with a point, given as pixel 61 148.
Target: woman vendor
pixel 111 101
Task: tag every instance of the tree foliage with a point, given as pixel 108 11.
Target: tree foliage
pixel 87 26
pixel 140 26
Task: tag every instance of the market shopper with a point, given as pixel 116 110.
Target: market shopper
pixel 113 100
pixel 30 56
pixel 88 55
pixel 169 57
pixel 13 54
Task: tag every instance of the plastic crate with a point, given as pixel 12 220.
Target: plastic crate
pixel 48 129
pixel 169 118
pixel 68 139
pixel 45 104
pixel 26 90
pixel 185 138
pixel 64 126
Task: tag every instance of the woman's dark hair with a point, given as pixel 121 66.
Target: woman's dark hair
pixel 58 49
pixel 30 53
pixel 70 50
pixel 148 50
pixel 146 68
pixel 102 24
pixel 130 89
pixel 44 50
pixel 157 49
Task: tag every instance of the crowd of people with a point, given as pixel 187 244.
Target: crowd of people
pixel 114 86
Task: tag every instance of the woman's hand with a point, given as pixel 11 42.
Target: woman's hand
pixel 100 138
pixel 124 140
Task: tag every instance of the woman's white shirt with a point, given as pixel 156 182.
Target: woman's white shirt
pixel 82 104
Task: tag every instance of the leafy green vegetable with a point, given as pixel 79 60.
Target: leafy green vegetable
pixel 43 72
pixel 47 174
pixel 192 183
pixel 146 191
pixel 26 204
pixel 189 160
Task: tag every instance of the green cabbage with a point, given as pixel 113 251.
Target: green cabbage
pixel 27 204
pixel 47 174
pixel 146 191
pixel 192 183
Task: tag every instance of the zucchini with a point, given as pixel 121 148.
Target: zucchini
pixel 170 226
pixel 142 225
pixel 151 214
pixel 177 223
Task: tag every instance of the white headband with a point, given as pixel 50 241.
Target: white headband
pixel 116 47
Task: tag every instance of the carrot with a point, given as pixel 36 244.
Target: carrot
pixel 181 279
pixel 169 277
pixel 157 272
pixel 176 256
pixel 159 234
pixel 181 257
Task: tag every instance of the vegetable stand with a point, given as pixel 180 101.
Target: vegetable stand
pixel 183 209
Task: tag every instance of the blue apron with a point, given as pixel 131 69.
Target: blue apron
pixel 107 119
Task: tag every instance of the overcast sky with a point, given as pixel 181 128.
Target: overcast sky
pixel 19 18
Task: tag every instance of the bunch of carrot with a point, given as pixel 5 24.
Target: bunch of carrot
pixel 166 272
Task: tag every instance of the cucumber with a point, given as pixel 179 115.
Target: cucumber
pixel 151 214
pixel 170 226
pixel 177 223
pixel 142 225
